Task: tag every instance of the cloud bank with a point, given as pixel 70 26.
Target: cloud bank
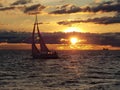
pixel 20 2
pixel 34 8
pixel 102 20
pixel 54 38
pixel 26 6
pixel 109 6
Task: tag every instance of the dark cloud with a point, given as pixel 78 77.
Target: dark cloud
pixel 102 20
pixel 34 8
pixel 6 8
pixel 21 2
pixel 25 7
pixel 105 20
pixel 112 39
pixel 66 9
pixel 108 6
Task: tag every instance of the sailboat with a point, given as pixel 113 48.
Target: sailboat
pixel 43 52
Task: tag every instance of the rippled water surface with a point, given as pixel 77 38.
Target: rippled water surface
pixel 74 70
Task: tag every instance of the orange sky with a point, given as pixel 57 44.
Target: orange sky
pixel 93 16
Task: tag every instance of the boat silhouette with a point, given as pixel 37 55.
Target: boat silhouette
pixel 43 52
pixel 105 49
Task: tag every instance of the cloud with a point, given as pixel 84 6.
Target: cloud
pixel 108 6
pixel 105 20
pixel 34 9
pixel 54 38
pixel 102 20
pixel 25 6
pixel 68 8
pixel 20 2
pixel 7 8
pixel 27 9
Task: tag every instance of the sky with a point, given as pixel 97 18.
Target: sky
pixel 94 16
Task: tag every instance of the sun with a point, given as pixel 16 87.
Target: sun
pixel 72 29
pixel 74 40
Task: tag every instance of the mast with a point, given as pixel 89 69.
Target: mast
pixel 35 51
pixel 43 47
pixel 43 52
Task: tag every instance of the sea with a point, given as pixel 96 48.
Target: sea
pixel 74 70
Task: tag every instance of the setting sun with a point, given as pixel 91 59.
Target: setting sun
pixel 74 40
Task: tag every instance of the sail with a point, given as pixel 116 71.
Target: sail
pixel 43 47
pixel 35 51
pixel 43 52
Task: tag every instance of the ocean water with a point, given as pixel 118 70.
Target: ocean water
pixel 74 70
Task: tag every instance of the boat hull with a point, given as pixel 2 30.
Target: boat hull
pixel 46 56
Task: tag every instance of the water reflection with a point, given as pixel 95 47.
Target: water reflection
pixel 25 46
